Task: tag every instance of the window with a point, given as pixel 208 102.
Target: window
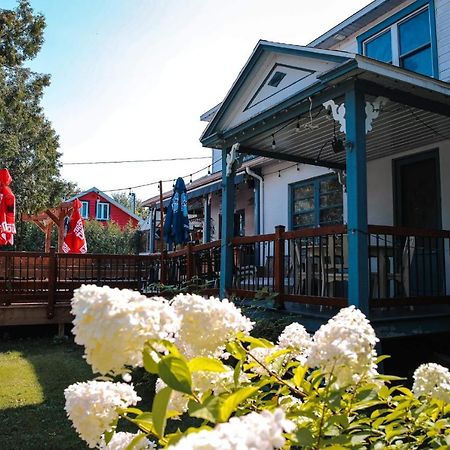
pixel 406 39
pixel 85 209
pixel 316 202
pixel 102 211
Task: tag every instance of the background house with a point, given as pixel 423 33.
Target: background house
pixel 96 205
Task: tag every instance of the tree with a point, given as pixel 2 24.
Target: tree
pixel 125 200
pixel 28 143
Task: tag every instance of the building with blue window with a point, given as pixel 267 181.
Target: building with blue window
pixel 350 140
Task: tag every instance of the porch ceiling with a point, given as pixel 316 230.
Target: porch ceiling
pixel 398 128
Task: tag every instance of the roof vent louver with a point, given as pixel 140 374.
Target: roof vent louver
pixel 276 79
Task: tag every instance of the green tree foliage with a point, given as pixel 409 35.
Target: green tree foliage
pixel 125 200
pixel 28 143
pixel 110 239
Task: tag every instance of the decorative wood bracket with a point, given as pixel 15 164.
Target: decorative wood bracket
pixel 372 109
pixel 233 159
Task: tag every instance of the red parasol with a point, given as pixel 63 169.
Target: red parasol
pixel 74 239
pixel 7 209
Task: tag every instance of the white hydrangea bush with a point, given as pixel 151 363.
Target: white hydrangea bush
pixel 246 393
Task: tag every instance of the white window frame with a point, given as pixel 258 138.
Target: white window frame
pixel 105 209
pixel 85 209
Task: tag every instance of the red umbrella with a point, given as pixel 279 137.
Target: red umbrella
pixel 74 239
pixel 7 209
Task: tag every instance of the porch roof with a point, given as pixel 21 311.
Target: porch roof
pixel 418 113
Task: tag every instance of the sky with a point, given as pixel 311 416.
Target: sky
pixel 130 78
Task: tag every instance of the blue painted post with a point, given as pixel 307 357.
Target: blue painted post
pixel 226 250
pixel 207 219
pixel 358 264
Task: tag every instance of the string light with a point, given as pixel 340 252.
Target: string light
pixel 274 145
pixel 279 174
pixel 190 180
pixel 297 127
pixel 298 168
pixel 209 170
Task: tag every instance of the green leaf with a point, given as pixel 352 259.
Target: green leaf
pixel 150 365
pixel 305 437
pixel 299 375
pixel 209 410
pixel 255 342
pixel 234 400
pixel 175 373
pixel 144 422
pixel 237 373
pixel 207 364
pixel 235 350
pixel 159 409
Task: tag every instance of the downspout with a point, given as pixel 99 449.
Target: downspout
pixel 250 172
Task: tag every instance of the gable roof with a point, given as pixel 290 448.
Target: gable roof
pixel 354 23
pixel 108 198
pixel 263 49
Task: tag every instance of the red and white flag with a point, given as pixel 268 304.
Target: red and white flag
pixel 7 209
pixel 74 238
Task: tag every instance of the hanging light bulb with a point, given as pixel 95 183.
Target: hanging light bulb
pixel 209 170
pixel 297 127
pixel 173 183
pixel 279 174
pixel 190 181
pixel 298 168
pixel 274 145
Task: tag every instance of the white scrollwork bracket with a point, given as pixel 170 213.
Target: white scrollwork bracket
pixel 233 159
pixel 373 110
pixel 338 112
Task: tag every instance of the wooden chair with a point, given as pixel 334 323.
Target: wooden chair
pixel 402 275
pixel 334 263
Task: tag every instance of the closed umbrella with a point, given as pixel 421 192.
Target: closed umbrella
pixel 7 209
pixel 176 225
pixel 74 238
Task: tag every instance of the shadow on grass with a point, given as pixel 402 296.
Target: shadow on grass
pixel 42 425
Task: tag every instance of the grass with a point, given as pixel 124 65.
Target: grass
pixel 33 375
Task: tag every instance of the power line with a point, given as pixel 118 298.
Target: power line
pixel 129 161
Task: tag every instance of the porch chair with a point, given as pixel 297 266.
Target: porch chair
pixel 334 263
pixel 401 276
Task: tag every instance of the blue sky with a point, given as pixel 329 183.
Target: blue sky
pixel 130 78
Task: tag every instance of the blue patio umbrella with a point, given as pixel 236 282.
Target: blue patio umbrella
pixel 176 224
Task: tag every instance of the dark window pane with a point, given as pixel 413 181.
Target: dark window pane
pixel 303 220
pixel 414 32
pixel 303 205
pixel 331 199
pixel 331 184
pixel 303 191
pixel 380 48
pixel 420 62
pixel 331 215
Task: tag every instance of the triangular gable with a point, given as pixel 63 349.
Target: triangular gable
pixel 108 199
pixel 273 73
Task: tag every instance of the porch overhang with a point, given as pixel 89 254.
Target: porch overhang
pixel 418 113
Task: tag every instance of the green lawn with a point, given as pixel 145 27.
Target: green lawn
pixel 33 375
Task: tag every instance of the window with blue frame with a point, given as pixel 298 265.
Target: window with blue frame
pixel 405 40
pixel 316 202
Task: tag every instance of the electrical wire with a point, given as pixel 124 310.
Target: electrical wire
pixel 130 161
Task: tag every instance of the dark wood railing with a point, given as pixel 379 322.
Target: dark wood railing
pixel 310 266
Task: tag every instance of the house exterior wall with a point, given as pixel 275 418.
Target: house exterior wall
pixel 116 214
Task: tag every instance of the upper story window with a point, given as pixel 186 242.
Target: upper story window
pixel 102 211
pixel 85 209
pixel 316 202
pixel 405 39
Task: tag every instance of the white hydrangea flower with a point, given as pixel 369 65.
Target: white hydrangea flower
pixel 207 324
pixel 345 346
pixel 122 440
pixel 255 431
pixel 433 380
pixel 114 324
pixel 288 402
pixel 263 355
pixel 295 337
pixel 92 407
pixel 202 381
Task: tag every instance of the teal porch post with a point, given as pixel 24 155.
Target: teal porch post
pixel 206 219
pixel 358 264
pixel 226 250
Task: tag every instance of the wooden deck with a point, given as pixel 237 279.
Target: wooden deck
pixel 306 271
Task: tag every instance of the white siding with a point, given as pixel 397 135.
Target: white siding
pixel 443 37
